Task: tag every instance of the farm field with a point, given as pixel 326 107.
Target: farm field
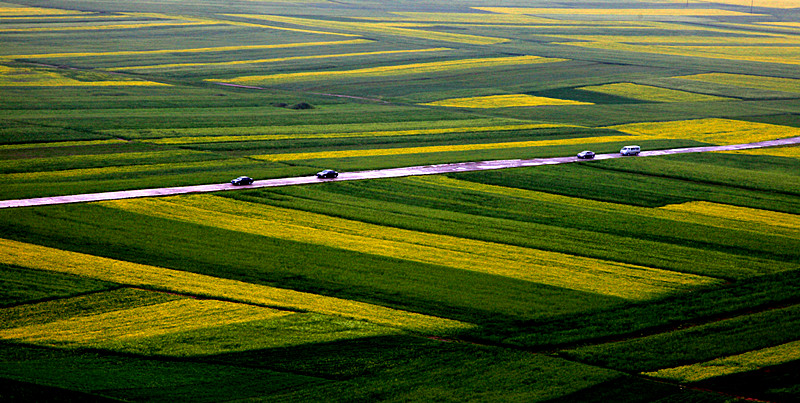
pixel 637 279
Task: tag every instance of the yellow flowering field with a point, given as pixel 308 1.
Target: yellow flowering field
pixel 138 275
pixel 711 130
pixel 122 169
pixel 99 330
pixel 466 18
pixel 556 269
pixel 788 152
pixel 766 54
pixel 30 77
pixel 8 9
pixel 383 133
pixel 749 361
pixel 189 50
pixel 651 93
pixel 745 214
pixel 414 68
pixel 235 23
pixel 442 149
pixel 78 143
pixel 749 81
pixel 102 27
pixel 615 11
pixel 378 28
pixel 282 59
pixel 503 101
pixel 760 3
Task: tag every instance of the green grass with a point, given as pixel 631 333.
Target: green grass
pixel 25 285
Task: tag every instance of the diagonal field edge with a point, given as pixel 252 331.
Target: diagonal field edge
pixel 375 174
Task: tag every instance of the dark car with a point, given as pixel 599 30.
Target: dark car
pixel 586 155
pixel 242 180
pixel 327 174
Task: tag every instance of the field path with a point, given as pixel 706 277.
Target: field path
pixel 376 174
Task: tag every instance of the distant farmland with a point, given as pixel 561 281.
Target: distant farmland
pixel 671 278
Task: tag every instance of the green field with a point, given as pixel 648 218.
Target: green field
pixel 669 278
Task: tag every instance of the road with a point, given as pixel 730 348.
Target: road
pixel 375 174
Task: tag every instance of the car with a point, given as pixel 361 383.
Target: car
pixel 586 155
pixel 327 174
pixel 630 150
pixel 242 180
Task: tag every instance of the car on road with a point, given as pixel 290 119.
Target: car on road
pixel 327 174
pixel 586 155
pixel 630 150
pixel 242 180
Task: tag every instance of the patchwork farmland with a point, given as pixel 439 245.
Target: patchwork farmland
pixel 668 278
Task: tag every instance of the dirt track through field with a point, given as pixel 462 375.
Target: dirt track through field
pixel 376 174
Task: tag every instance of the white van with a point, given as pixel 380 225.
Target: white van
pixel 630 150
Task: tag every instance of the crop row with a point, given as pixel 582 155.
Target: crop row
pixel 650 93
pixel 711 130
pixel 378 28
pixel 749 81
pixel 23 77
pixel 503 101
pixel 614 11
pixel 44 258
pixel 281 59
pixel 402 69
pixel 440 149
pixel 754 53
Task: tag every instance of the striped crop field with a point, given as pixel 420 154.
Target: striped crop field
pixel 746 362
pixel 378 28
pixel 384 133
pixel 102 27
pixel 79 143
pixel 385 71
pixel 283 59
pixel 557 269
pixel 761 3
pixel 213 21
pixel 442 149
pixel 674 40
pixel 312 130
pixel 748 81
pixel 138 275
pixel 503 101
pixel 615 11
pixel 101 160
pixel 471 18
pixel 34 77
pixel 189 50
pixel 651 93
pixel 788 152
pixel 711 130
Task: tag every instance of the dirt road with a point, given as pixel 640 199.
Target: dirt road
pixel 376 174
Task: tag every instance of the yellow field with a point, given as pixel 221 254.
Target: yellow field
pixel 192 50
pixel 556 269
pixel 146 321
pixel 281 59
pixel 788 152
pixel 413 132
pixel 138 275
pixel 8 9
pixel 735 364
pixel 748 81
pixel 766 54
pixel 378 28
pixel 650 93
pixel 749 215
pixel 614 11
pixel 102 27
pixel 758 3
pixel 415 68
pixel 712 130
pixel 28 77
pixel 439 149
pixel 234 23
pixel 503 101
